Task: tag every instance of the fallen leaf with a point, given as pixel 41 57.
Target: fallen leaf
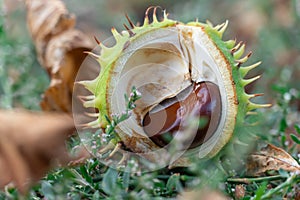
pixel 271 158
pixel 32 143
pixel 60 49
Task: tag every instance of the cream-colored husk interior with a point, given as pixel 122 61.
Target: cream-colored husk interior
pixel 160 64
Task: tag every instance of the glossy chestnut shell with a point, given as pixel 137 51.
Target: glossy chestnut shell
pixel 202 100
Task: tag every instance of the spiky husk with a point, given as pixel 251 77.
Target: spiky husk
pixel 231 54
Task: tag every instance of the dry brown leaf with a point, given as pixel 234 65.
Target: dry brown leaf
pixel 271 158
pixel 60 48
pixel 31 144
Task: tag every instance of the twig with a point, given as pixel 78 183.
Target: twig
pixel 250 180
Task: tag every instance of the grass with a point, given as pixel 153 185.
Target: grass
pixel 279 125
pixel 17 64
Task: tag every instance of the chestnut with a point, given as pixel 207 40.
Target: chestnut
pixel 165 120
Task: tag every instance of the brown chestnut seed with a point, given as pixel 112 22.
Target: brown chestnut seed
pixel 202 99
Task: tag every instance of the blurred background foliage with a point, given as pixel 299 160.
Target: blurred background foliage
pixel 269 28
